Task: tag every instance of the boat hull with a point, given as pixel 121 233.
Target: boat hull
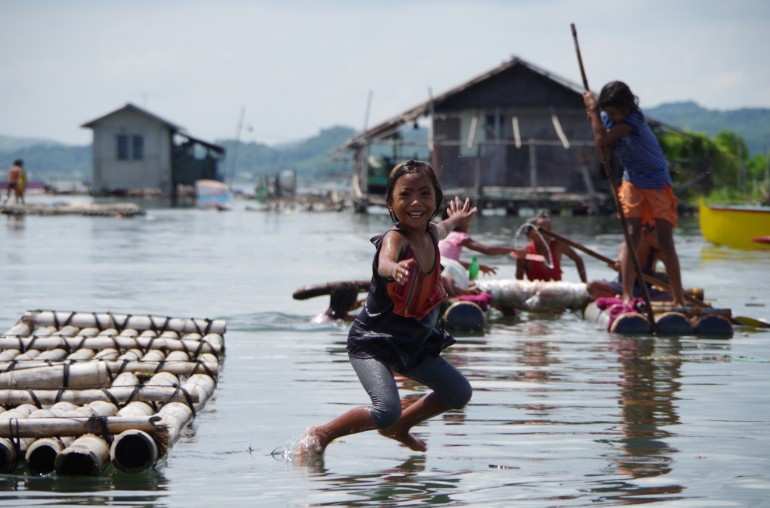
pixel 735 227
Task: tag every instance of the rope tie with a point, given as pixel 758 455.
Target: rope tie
pixel 34 398
pixel 66 375
pixel 208 371
pixel 187 398
pixel 209 322
pixel 134 392
pixel 69 318
pixel 82 342
pixel 198 349
pixel 111 397
pixel 59 395
pixel 124 324
pixel 55 319
pixel 14 436
pixel 98 424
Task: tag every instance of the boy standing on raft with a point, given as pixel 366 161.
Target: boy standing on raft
pixel 396 331
pixel 645 193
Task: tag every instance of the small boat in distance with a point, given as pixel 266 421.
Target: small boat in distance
pixel 736 226
pixel 212 194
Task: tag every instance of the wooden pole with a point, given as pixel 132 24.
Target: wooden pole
pixel 623 222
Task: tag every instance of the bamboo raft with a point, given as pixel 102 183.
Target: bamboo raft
pixel 670 321
pixel 87 209
pixel 82 391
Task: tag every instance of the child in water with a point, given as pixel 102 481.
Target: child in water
pixel 396 330
pixel 551 251
pixel 645 194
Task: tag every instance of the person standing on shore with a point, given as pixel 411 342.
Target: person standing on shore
pixel 16 182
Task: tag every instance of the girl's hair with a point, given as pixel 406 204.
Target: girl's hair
pixel 618 95
pixel 413 167
pixel 18 162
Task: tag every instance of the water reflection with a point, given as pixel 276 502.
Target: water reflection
pixel 402 485
pixel 650 372
pixel 146 489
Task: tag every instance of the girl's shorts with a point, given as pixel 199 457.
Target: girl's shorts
pixel 648 204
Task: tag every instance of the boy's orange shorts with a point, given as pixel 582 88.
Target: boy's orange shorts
pixel 648 204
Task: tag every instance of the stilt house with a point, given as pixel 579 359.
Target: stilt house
pixel 514 136
pixel 136 152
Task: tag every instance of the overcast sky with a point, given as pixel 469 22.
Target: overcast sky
pixel 298 66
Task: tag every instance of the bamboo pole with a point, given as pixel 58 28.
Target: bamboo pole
pixel 212 343
pixel 206 364
pixel 86 455
pixel 43 427
pixel 41 454
pixel 134 450
pixel 140 323
pixel 176 414
pixel 20 329
pixel 9 452
pixel 121 394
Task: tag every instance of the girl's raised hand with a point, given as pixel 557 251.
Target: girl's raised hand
pixel 590 101
pixel 460 211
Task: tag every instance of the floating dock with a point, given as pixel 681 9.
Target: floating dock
pixel 80 391
pixel 88 210
pixel 704 322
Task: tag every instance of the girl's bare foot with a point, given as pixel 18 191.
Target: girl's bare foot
pixel 310 447
pixel 405 438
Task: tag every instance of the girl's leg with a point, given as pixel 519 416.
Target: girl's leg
pixel 450 391
pixel 386 408
pixel 665 234
pixel 627 270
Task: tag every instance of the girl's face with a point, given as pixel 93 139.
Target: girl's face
pixel 413 200
pixel 616 114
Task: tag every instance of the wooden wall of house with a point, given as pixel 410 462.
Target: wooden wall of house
pixel 532 99
pixel 150 170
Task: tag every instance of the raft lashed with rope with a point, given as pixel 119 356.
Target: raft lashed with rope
pixel 81 390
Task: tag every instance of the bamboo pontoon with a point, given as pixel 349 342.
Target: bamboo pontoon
pixel 88 209
pixel 80 391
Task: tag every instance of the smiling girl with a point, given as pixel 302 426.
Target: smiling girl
pixel 396 331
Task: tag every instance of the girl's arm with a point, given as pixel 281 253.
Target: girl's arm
pixel 602 137
pixel 489 250
pixel 388 265
pixel 574 256
pixel 458 213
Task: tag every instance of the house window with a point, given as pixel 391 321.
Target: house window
pixel 122 147
pixel 137 145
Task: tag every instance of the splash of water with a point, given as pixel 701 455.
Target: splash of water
pixel 520 232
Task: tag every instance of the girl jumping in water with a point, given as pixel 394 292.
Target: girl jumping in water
pixel 396 329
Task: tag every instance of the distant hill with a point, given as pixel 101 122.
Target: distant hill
pixel 10 143
pixel 310 157
pixel 752 124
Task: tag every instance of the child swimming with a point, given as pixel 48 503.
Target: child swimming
pixel 396 331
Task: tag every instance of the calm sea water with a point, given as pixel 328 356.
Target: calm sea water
pixel 562 414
